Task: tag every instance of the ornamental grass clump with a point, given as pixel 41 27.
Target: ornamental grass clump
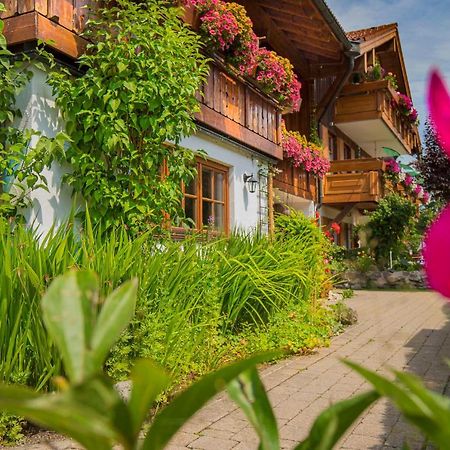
pixel 194 299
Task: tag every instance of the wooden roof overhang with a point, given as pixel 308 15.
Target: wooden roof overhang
pixel 304 31
pixel 371 39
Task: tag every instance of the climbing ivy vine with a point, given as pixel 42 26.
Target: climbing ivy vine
pixel 23 152
pixel 128 111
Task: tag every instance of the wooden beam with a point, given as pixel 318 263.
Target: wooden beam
pixel 276 38
pixel 330 94
pixel 346 210
pixel 33 26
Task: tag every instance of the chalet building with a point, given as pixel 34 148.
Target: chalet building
pixel 240 127
pixel 367 124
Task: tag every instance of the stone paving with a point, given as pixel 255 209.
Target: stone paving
pixel 404 330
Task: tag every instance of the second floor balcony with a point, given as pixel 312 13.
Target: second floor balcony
pixel 360 182
pixel 235 107
pixel 354 181
pixel 367 114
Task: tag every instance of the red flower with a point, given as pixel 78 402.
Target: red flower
pixel 336 227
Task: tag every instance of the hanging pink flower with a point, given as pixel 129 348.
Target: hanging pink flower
pixel 393 166
pixel 437 241
pixel 426 197
pixel 304 154
pixel 409 180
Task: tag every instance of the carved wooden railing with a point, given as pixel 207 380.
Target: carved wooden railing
pixel 233 106
pixel 295 181
pixel 376 100
pixel 354 181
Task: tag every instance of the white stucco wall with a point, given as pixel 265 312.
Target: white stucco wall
pixel 247 210
pixel 354 217
pixel 41 114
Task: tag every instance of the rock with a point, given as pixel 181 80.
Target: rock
pixel 334 297
pixel 380 281
pixel 355 280
pixel 394 278
pixel 123 388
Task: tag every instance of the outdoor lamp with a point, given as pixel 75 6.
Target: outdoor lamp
pixel 251 182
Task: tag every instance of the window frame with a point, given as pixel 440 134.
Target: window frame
pixel 200 198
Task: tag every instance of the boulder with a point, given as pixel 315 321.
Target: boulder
pixel 355 280
pixel 394 278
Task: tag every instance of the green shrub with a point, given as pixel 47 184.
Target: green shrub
pixel 388 225
pixel 10 428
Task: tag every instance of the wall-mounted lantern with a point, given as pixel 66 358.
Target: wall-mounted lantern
pixel 251 182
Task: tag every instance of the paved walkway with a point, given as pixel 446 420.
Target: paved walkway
pixel 405 330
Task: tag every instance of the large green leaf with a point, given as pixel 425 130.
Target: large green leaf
pixel 332 424
pixel 68 312
pixel 175 415
pixel 428 411
pixel 249 393
pixel 114 316
pixel 149 380
pixel 60 413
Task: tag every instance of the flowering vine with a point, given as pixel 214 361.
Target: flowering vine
pixel 304 154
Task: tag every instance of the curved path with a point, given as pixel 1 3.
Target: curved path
pixel 404 330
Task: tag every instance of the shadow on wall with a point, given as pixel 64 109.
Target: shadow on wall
pixel 41 114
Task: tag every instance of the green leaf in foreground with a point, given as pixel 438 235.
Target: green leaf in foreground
pixel 425 409
pixel 176 414
pixel 249 394
pixel 333 423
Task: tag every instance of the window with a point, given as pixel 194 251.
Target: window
pixel 347 152
pixel 206 197
pixel 333 148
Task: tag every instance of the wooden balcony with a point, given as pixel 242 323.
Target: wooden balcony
pixel 295 181
pixel 59 21
pixel 234 107
pixel 366 113
pixel 354 181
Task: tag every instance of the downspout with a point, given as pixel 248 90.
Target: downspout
pixel 352 54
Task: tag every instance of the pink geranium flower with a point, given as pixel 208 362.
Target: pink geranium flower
pixel 437 242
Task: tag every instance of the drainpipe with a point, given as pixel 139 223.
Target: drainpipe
pixel 352 54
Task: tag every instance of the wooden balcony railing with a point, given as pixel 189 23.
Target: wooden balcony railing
pixel 295 181
pixel 55 21
pixel 376 101
pixel 233 106
pixel 354 181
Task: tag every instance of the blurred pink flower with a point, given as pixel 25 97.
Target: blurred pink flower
pixel 436 251
pixel 439 107
pixel 437 241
